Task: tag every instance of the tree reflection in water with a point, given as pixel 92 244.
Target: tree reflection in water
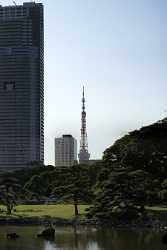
pixel 74 239
pixel 81 238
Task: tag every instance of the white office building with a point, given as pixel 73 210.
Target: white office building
pixel 65 151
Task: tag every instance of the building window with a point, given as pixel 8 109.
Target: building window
pixel 9 86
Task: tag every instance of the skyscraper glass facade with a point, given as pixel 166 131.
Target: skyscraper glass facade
pixel 21 85
pixel 65 151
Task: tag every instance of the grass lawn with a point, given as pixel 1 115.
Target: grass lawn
pixel 65 211
pixel 160 212
pixel 157 208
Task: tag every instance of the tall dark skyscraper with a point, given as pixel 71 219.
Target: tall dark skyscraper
pixel 21 85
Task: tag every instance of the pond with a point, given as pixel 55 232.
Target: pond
pixel 82 238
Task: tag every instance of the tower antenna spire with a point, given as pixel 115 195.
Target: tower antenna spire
pixel 83 153
pixel 14 3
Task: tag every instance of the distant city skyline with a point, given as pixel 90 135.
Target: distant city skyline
pixel 117 49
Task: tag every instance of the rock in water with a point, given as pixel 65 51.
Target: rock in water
pixel 48 232
pixel 164 239
pixel 12 236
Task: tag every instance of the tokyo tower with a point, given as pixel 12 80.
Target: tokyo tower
pixel 83 153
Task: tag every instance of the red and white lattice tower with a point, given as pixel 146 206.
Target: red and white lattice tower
pixel 83 153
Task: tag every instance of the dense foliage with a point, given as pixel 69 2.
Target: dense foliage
pixel 47 184
pixel 134 175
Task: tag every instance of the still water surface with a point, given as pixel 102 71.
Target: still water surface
pixel 69 238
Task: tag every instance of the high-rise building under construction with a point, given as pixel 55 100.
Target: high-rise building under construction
pixel 21 85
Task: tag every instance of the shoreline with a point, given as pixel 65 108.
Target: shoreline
pixel 34 221
pixel 155 225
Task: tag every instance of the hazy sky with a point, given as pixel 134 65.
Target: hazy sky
pixel 118 50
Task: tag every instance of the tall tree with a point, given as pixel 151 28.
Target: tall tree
pixel 9 192
pixel 75 187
